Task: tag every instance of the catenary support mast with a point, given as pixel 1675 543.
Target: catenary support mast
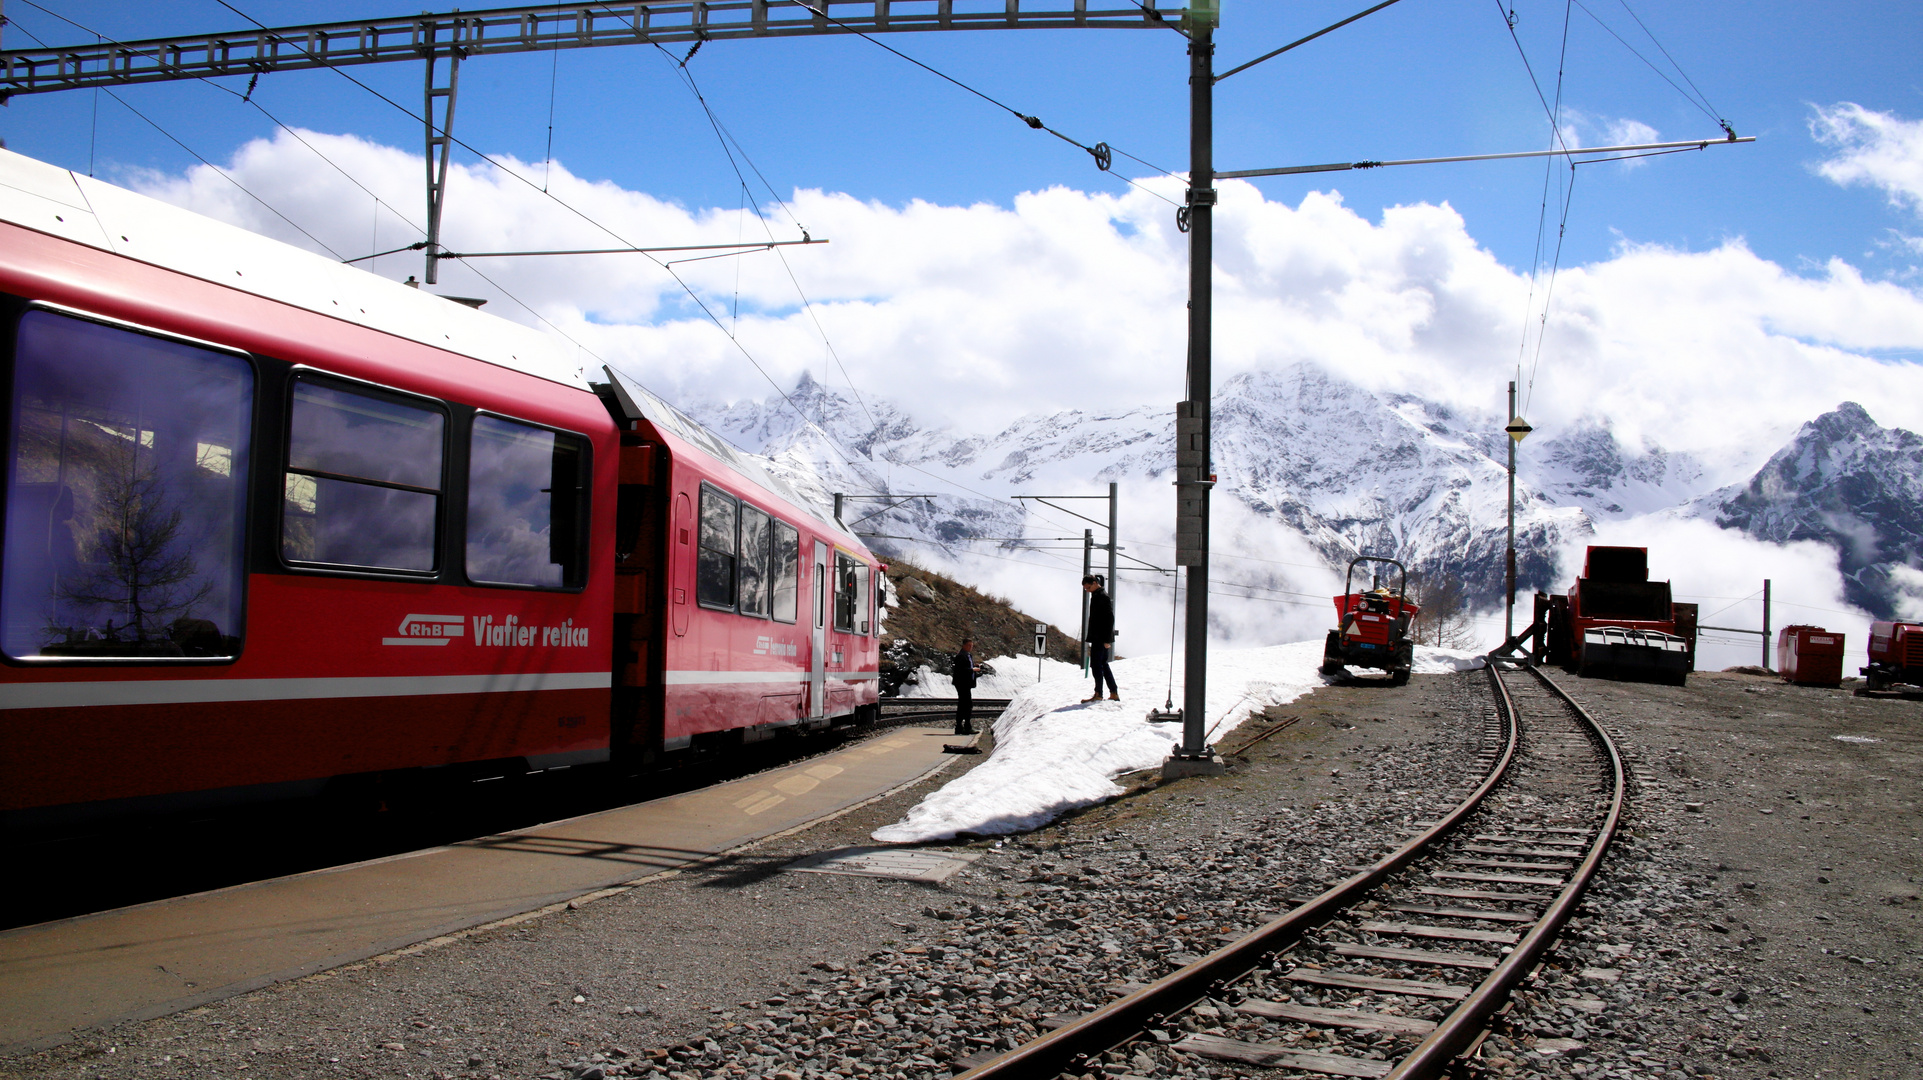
pixel 1194 465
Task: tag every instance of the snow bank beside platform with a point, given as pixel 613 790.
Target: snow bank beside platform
pixel 1054 753
pixel 1012 675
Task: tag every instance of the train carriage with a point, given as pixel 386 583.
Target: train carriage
pixel 271 521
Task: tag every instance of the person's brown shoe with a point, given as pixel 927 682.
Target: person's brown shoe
pixel 1115 697
pixel 1097 697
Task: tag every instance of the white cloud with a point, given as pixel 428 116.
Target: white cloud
pixel 1065 299
pixel 1876 148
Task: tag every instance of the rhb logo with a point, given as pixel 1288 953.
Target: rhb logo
pixel 488 631
pixel 428 630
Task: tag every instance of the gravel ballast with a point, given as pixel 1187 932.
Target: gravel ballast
pixel 1704 927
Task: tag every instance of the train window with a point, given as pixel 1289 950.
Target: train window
pixel 526 505
pixel 786 572
pixel 848 575
pixel 126 506
pixel 716 563
pixel 363 484
pixel 755 539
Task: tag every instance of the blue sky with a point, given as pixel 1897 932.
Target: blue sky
pixel 1426 77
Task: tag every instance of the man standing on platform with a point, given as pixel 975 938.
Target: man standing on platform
pixel 1101 637
pixel 964 672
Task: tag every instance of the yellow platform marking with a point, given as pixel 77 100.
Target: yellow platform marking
pixel 797 785
pixel 765 804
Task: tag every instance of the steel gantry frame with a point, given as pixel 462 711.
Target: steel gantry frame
pixel 460 35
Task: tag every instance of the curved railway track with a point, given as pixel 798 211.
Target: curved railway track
pixel 1400 969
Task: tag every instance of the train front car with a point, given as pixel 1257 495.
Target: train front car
pixel 767 619
pixel 271 521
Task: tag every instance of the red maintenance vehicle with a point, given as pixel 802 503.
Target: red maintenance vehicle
pixel 274 525
pixel 1896 655
pixel 1617 623
pixel 1372 628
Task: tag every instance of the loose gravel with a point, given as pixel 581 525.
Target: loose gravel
pixel 1702 952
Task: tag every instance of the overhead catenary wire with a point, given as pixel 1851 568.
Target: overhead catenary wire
pixel 692 295
pixel 1700 100
pixel 1100 152
pixel 832 442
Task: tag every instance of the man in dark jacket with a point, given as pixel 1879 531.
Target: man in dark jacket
pixel 965 669
pixel 1101 637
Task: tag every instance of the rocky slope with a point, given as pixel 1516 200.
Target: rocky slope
pixel 930 613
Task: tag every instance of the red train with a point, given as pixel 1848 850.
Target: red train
pixel 271 521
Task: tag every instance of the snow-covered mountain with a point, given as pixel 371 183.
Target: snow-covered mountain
pixel 1341 469
pixel 1847 483
pixel 1312 464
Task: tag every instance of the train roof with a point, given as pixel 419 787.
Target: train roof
pixel 676 424
pixel 49 199
pixel 81 209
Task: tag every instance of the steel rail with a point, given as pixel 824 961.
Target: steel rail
pixel 1460 1028
pixel 1076 1043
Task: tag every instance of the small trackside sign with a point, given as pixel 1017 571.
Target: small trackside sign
pixel 428 630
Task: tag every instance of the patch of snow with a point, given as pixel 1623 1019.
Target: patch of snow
pixel 1854 738
pixel 1053 753
pixel 1012 675
pixel 1430 661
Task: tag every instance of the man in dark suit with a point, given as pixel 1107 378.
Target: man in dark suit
pixel 1101 637
pixel 965 669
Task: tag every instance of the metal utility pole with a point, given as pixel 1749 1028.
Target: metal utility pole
pixel 1194 467
pixel 1518 427
pixel 1088 552
pixel 1765 624
pixel 1113 503
pixel 440 144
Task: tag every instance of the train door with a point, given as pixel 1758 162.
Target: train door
pixel 681 569
pixel 818 637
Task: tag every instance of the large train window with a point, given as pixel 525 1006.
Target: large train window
pixel 848 580
pixel 526 505
pixel 363 483
pixel 756 538
pixel 716 563
pixel 126 495
pixel 786 574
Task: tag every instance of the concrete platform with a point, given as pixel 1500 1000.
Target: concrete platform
pixel 154 959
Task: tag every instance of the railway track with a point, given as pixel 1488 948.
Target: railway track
pixel 1397 971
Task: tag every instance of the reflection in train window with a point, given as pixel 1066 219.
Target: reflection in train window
pixel 126 495
pixel 787 571
pixel 755 539
pixel 363 482
pixel 715 564
pixel 526 505
pixel 848 578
